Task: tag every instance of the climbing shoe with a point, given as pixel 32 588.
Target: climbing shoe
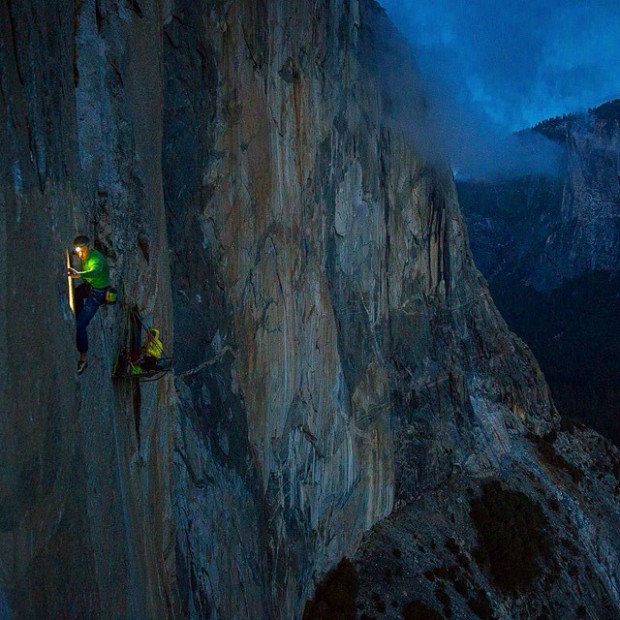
pixel 82 366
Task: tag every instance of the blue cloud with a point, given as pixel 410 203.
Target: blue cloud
pixel 494 67
pixel 521 61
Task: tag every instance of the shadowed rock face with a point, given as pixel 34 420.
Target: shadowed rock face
pixel 246 168
pixel 586 237
pixel 429 554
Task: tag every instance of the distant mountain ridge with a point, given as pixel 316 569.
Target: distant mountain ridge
pixel 550 249
pixel 607 112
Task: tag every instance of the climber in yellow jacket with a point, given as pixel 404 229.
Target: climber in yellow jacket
pixel 152 351
pixel 153 347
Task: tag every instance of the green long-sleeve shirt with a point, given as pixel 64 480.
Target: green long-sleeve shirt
pixel 95 270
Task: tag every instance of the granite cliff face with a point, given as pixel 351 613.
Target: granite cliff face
pixel 337 355
pixel 587 237
pixel 549 247
pixel 325 266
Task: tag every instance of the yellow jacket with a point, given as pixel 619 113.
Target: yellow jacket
pixel 153 347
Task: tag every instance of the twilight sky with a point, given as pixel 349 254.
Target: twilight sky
pixel 512 63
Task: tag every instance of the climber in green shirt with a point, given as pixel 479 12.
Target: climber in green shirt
pixel 90 294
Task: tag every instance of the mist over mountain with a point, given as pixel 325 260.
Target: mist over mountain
pixel 444 128
pixel 492 69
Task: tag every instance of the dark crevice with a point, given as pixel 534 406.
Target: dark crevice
pixel 135 7
pixel 199 483
pixel 170 41
pixel 117 71
pixel 77 13
pixel 14 39
pixel 98 15
pixel 255 62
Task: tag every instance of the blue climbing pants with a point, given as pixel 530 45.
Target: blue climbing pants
pixel 87 302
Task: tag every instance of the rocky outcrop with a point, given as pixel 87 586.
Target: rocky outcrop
pixel 246 168
pixel 587 238
pixel 531 543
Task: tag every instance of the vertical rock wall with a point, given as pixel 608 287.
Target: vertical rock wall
pixel 336 350
pixel 84 476
pixel 548 230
